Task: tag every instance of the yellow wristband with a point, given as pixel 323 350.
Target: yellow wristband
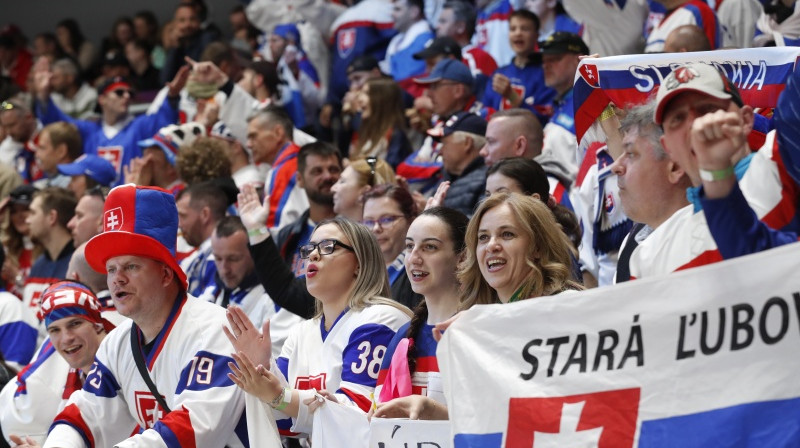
pixel 608 112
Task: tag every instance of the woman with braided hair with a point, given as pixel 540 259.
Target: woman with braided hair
pixel 409 384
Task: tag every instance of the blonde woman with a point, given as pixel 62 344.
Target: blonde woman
pixel 354 181
pixel 338 352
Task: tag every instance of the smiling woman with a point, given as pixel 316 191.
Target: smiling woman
pixel 515 251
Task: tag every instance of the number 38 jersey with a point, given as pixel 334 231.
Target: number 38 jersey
pixel 345 361
pixel 188 362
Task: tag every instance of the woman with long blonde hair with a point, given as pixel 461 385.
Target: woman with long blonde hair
pixel 340 350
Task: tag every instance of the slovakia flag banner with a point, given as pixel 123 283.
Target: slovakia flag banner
pixel 759 73
pixel 706 357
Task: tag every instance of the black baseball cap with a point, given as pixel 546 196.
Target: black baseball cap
pixel 562 42
pixel 440 46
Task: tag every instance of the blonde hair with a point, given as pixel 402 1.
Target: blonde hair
pixel 548 255
pixel 384 174
pixel 371 285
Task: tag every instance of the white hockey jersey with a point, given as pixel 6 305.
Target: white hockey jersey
pixel 345 361
pixel 188 363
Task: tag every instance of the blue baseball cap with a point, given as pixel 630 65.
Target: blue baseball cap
pixel 90 165
pixel 448 69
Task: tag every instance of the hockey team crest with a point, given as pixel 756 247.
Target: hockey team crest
pixel 147 409
pixel 346 42
pixel 113 219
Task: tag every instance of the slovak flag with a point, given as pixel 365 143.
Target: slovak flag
pixel 590 74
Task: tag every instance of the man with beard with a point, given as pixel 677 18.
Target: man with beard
pixel 200 207
pixel 318 167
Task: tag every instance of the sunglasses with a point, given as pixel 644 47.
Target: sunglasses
pixel 122 92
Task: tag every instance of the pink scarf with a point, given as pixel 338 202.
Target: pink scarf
pixel 398 379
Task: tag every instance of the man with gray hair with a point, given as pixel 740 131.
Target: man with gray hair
pixel 269 137
pixel 73 96
pixel 652 187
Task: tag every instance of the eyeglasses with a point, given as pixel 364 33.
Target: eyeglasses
pixel 7 105
pixel 383 221
pixel 98 191
pixel 371 161
pixel 121 92
pixel 325 247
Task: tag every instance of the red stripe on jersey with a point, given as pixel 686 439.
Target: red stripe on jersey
pixel 180 424
pixel 589 160
pixel 785 210
pixel 427 364
pixel 166 335
pixel 72 415
pixel 707 257
pixel 361 401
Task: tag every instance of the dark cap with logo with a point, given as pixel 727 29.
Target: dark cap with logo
pixel 445 45
pixel 462 121
pixel 562 42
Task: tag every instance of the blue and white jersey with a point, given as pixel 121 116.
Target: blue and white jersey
pixel 19 332
pixel 345 360
pixel 201 268
pixel 118 143
pixel 29 403
pixel 188 362
pixel 491 30
pixel 528 82
pixel 400 62
pixel 559 135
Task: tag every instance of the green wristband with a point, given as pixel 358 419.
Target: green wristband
pixel 714 175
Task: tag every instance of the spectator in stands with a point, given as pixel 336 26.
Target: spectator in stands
pixel 113 64
pixel 86 172
pixel 515 251
pixel 121 34
pixel 243 171
pixel 21 251
pixel 686 38
pixel 380 127
pixel 238 283
pixel 115 137
pixel 457 21
pixel 358 177
pixel 462 137
pixel 413 32
pixel 88 219
pixel 260 80
pixel 624 37
pixel 19 335
pixel 269 133
pixel 388 211
pixel 51 211
pixel 434 247
pixel 526 176
pixel 319 165
pixel 144 76
pixel 517 133
pixel 157 166
pixel 492 29
pixel 521 82
pixel 22 130
pixel 296 71
pixel 560 58
pixel 145 28
pixel 200 207
pixel 75 327
pixel 552 17
pixel 652 189
pixel 192 39
pixel 684 12
pixel 46 45
pixel 438 49
pixel 74 44
pixel 59 143
pixel 15 60
pixel 203 159
pixel 73 96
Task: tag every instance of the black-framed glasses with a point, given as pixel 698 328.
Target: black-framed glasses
pixel 325 247
pixel 371 161
pixel 383 221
